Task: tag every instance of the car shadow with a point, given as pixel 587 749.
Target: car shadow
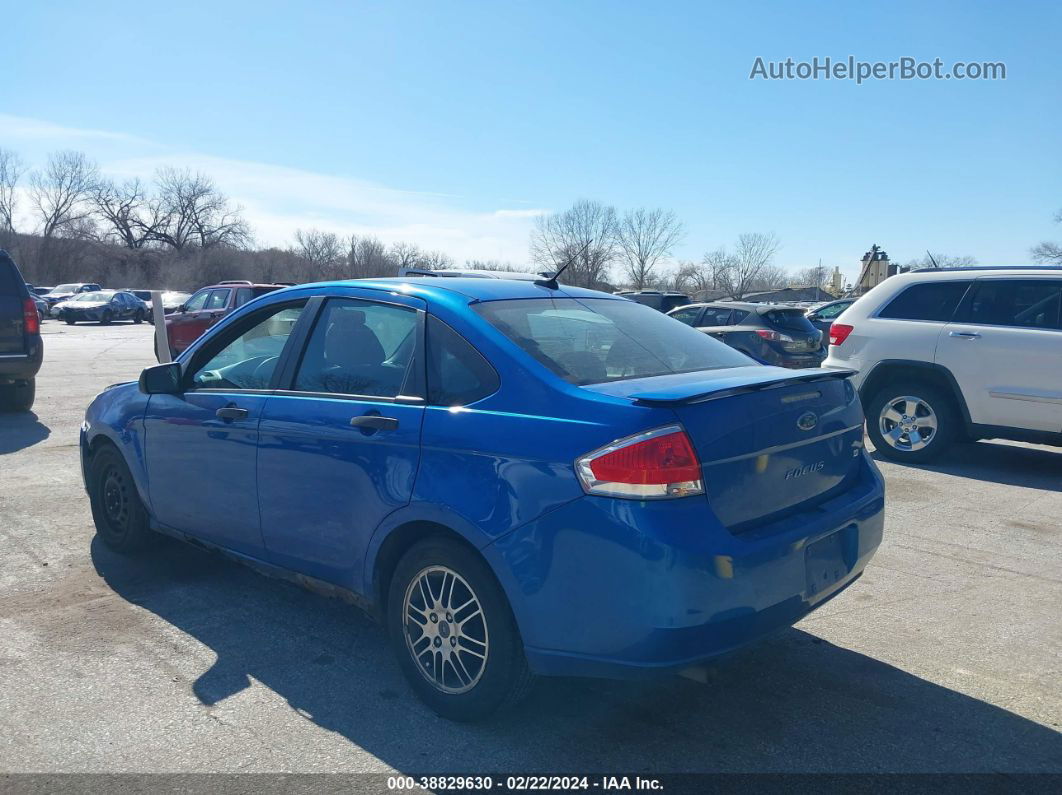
pixel 794 703
pixel 20 430
pixel 996 462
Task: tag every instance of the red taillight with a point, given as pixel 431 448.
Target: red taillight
pixel 839 333
pixel 773 336
pixel 650 465
pixel 31 321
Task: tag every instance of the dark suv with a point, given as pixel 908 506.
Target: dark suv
pixel 206 307
pixel 769 333
pixel 21 348
pixel 655 299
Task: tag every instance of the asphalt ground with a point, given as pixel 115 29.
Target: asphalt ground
pixel 944 657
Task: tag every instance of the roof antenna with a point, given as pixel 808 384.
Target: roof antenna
pixel 931 259
pixel 551 281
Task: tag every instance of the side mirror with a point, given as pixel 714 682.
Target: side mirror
pixel 814 316
pixel 162 379
pixel 182 309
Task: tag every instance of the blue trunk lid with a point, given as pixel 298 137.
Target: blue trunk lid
pixel 771 441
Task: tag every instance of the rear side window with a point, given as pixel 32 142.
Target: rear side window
pixel 716 316
pixel 590 341
pixel 933 301
pixel 457 373
pixel 1022 303
pixel 788 320
pixel 11 282
pixel 218 299
pixel 359 348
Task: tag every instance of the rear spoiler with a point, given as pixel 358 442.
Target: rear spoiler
pixel 728 387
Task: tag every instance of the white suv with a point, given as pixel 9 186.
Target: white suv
pixel 956 355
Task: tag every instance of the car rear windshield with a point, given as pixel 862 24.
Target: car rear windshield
pixel 590 341
pixel 789 320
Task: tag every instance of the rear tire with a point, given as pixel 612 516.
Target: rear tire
pixel 120 517
pixel 465 664
pixel 138 318
pixel 912 421
pixel 18 397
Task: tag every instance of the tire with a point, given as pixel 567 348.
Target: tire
pixel 138 318
pixel 120 517
pixel 890 409
pixel 481 684
pixel 106 318
pixel 69 320
pixel 18 397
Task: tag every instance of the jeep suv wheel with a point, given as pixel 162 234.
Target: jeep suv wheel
pixel 911 421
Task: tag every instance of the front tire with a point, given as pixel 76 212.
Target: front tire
pixel 912 421
pixel 69 320
pixel 454 633
pixel 138 318
pixel 106 318
pixel 19 396
pixel 120 517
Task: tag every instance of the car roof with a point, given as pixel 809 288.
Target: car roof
pixel 472 288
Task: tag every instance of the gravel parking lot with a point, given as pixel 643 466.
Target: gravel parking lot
pixel 946 656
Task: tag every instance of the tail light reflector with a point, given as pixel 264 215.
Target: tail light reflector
pixel 31 321
pixel 773 336
pixel 839 333
pixel 653 465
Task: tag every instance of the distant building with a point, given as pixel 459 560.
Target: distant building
pixel 836 281
pixel 787 294
pixel 876 269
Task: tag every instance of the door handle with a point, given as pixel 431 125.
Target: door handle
pixel 966 335
pixel 374 422
pixel 230 413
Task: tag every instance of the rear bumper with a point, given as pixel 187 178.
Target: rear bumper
pixel 621 589
pixel 22 367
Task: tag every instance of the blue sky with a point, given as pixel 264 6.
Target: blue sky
pixel 453 123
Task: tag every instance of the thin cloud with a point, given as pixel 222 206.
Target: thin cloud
pixel 278 199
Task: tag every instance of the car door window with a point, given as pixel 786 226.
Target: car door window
pixel 715 316
pixel 931 301
pixel 218 299
pixel 688 316
pixel 830 312
pixel 248 355
pixel 457 373
pixel 359 348
pixel 1021 303
pixel 197 301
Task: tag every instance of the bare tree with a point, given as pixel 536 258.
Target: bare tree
pixel 586 232
pixel 11 170
pixel 1048 251
pixel 815 276
pixel 319 248
pixel 492 265
pixel 434 260
pixel 367 257
pixel 742 271
pixel 645 237
pixel 405 255
pixel 129 218
pixel 938 260
pixel 60 191
pixel 194 213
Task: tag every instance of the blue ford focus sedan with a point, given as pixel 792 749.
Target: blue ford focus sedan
pixel 517 478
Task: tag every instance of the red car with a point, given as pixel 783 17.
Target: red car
pixel 207 306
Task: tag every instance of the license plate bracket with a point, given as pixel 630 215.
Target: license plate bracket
pixel 830 560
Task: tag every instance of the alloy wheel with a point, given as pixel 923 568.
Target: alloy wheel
pixel 907 423
pixel 445 629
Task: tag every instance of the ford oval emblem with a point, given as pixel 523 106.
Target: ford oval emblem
pixel 807 421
